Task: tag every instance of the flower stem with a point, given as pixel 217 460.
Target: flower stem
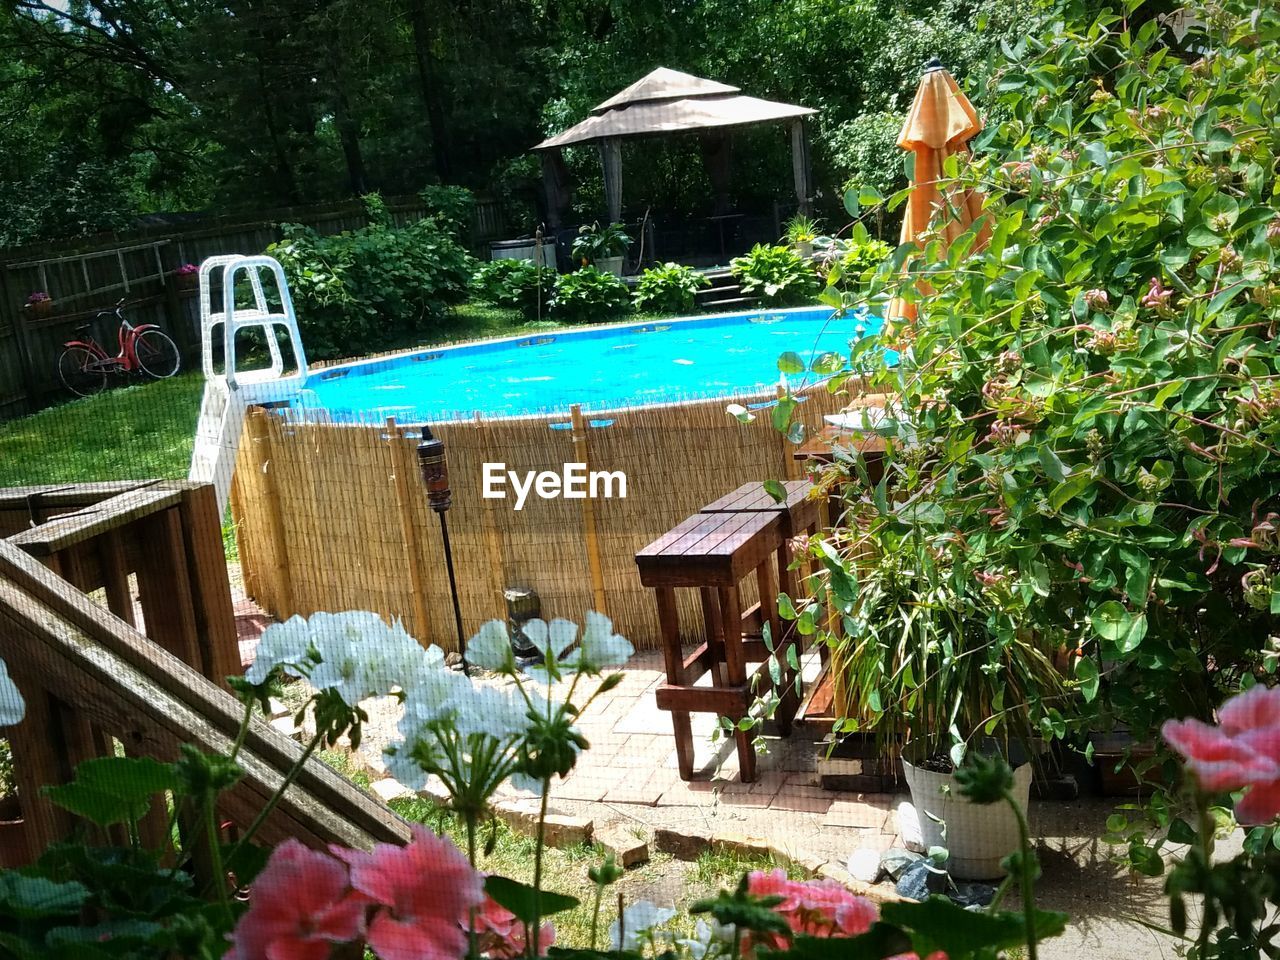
pixel 243 732
pixel 1028 881
pixel 470 817
pixel 215 854
pixel 271 804
pixel 1205 838
pixel 595 915
pixel 537 871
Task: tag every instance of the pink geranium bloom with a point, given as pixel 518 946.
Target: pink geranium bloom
pixel 427 889
pixel 301 907
pixel 1241 752
pixel 814 908
pixel 501 935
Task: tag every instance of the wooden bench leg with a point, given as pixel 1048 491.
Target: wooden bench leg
pixel 736 668
pixel 669 622
pixel 714 634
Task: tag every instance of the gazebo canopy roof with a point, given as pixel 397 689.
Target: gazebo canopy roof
pixel 668 101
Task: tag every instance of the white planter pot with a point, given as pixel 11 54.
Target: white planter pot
pixel 977 837
pixel 804 248
pixel 610 265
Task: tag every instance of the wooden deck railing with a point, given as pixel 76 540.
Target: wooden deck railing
pixel 144 677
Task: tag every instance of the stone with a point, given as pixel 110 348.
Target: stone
pixel 561 830
pixel 628 850
pixel 864 865
pixel 743 846
pixel 908 827
pixel 973 894
pixel 388 789
pixel 895 861
pixel 286 726
pixel 681 845
pixel 276 709
pixel 920 879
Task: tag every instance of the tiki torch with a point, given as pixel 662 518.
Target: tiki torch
pixel 434 467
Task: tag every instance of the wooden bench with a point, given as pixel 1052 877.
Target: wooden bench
pixel 713 553
pixel 799 514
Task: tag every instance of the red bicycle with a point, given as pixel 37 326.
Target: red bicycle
pixel 83 366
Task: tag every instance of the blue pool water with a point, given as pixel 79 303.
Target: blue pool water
pixel 602 368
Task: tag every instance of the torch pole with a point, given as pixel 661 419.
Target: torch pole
pixel 434 467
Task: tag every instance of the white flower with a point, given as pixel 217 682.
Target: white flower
pixel 703 933
pixel 394 658
pixel 601 648
pixel 281 643
pixel 12 707
pixel 404 769
pixel 344 641
pixel 490 648
pixel 434 695
pixel 500 714
pixel 552 640
pixel 637 920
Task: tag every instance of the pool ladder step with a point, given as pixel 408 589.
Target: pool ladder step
pixel 723 294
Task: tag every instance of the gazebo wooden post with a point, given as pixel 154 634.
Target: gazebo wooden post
pixel 800 164
pixel 553 186
pixel 611 158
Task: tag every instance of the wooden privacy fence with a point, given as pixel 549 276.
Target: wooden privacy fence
pixel 333 516
pixel 146 677
pixel 139 266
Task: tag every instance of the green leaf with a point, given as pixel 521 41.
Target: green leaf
pixel 791 362
pixel 938 924
pixel 1113 622
pixel 1220 140
pixel 1054 468
pixel 522 900
pixel 33 898
pixel 827 364
pixel 775 489
pixel 1069 488
pixel 781 414
pixel 1181 832
pixel 1087 674
pixel 111 790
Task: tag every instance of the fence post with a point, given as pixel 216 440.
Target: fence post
pixel 583 455
pixel 260 445
pixel 402 470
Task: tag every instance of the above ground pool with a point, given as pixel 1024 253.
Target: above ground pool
pixel 600 368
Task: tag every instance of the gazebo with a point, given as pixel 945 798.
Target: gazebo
pixel 670 102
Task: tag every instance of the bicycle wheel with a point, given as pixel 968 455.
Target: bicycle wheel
pixel 157 355
pixel 80 371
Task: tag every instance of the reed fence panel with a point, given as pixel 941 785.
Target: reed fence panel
pixel 322 522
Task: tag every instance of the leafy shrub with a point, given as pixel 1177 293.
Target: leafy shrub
pixel 865 150
pixel 515 285
pixel 669 288
pixel 778 275
pixel 452 207
pixel 595 242
pixel 364 290
pixel 848 260
pixel 1093 393
pixel 588 294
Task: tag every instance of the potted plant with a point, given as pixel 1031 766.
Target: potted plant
pixel 801 232
pixel 39 304
pixel 934 659
pixel 187 277
pixel 602 247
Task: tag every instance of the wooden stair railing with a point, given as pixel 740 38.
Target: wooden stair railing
pixel 89 677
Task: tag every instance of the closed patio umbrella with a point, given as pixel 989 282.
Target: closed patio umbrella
pixel 940 123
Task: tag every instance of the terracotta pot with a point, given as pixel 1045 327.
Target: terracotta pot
pixel 186 282
pixel 40 309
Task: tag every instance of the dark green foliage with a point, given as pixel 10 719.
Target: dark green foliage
pixel 363 290
pixel 588 295
pixel 669 288
pixel 515 285
pixel 452 208
pixel 778 275
pixel 594 242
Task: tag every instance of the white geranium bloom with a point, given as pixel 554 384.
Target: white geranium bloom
pixel 394 658
pixel 638 920
pixel 601 648
pixel 344 641
pixel 12 707
pixel 281 643
pixel 552 640
pixel 487 710
pixel 434 695
pixel 698 945
pixel 490 648
pixel 404 769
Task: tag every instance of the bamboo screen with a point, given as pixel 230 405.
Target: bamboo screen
pixel 333 516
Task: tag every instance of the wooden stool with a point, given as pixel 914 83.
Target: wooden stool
pixel 714 552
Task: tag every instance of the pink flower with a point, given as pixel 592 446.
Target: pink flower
pixel 1158 298
pixel 815 908
pixel 1242 751
pixel 427 889
pixel 301 907
pixel 502 936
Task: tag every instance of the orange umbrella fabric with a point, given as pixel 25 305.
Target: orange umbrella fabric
pixel 940 123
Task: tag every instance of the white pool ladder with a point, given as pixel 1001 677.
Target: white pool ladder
pixel 227 395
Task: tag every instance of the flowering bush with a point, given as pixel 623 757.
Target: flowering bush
pixel 187 269
pixel 37 296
